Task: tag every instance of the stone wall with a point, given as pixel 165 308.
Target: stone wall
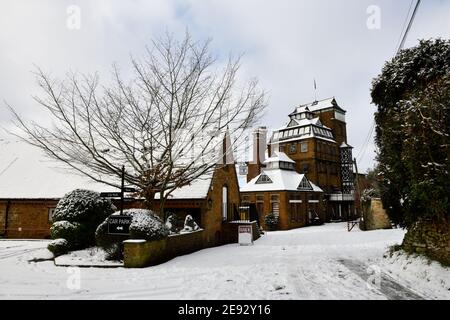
pixel 429 238
pixel 375 217
pixel 140 253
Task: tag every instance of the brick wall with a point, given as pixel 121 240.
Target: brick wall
pixel 212 216
pixel 285 218
pixel 27 219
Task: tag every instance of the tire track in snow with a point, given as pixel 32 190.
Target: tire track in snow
pixel 317 279
pixel 388 287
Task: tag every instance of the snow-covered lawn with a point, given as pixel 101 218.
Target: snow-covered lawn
pixel 324 262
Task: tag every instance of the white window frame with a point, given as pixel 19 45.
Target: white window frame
pixel 304 147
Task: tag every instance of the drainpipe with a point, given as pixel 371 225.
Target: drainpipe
pixel 8 204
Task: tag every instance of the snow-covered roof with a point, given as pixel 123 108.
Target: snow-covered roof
pixel 302 123
pixel 279 156
pixel 345 145
pixel 319 105
pixel 282 180
pixel 310 128
pixel 26 173
pixel 198 189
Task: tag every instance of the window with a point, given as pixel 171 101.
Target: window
pixel 275 204
pixel 276 135
pixel 245 199
pixel 305 168
pixel 293 148
pixel 333 169
pixel 263 179
pixel 295 204
pixel 51 211
pixel 318 146
pixel 304 147
pixel 224 203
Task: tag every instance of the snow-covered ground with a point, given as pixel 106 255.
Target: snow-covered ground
pixel 324 262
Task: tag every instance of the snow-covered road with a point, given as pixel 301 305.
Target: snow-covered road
pixel 324 262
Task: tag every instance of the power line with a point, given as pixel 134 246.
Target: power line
pixel 400 47
pixel 409 26
pixel 399 41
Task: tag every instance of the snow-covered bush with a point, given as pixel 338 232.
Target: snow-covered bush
pixel 83 206
pixel 77 216
pixel 189 225
pixel 271 220
pixel 73 232
pixel 145 225
pixel 148 226
pixel 58 247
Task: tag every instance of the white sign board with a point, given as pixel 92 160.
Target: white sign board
pixel 245 235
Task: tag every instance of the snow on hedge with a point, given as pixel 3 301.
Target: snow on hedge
pixel 81 205
pixel 145 225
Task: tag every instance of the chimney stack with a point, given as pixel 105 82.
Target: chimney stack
pixel 259 145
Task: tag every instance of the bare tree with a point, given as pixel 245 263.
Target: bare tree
pixel 165 125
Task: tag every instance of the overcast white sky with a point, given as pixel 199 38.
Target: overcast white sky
pixel 287 44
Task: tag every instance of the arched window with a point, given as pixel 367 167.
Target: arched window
pixel 224 203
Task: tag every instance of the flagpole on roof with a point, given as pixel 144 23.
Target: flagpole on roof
pixel 315 91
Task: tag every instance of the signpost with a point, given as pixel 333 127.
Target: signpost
pixel 245 234
pixel 110 194
pixel 120 194
pixel 119 225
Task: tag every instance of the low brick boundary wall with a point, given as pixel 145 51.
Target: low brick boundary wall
pixel 141 253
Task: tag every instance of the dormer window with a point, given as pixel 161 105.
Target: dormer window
pixel 263 179
pixel 305 185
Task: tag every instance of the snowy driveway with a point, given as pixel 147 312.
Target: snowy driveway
pixel 324 262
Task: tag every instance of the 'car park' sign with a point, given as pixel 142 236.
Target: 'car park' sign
pixel 119 225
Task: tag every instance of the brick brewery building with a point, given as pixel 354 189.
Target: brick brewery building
pixel 31 186
pixel 313 143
